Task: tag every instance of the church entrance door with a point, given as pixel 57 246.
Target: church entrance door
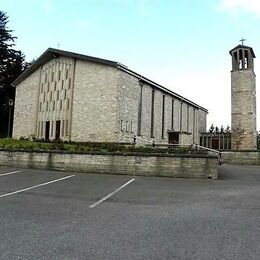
pixel 57 132
pixel 47 130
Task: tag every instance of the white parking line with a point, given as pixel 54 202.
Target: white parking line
pixel 9 173
pixel 36 186
pixel 111 194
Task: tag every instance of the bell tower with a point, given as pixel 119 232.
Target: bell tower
pixel 243 98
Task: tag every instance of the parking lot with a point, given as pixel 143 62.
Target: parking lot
pixel 62 215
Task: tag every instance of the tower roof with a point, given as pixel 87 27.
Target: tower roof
pixel 240 46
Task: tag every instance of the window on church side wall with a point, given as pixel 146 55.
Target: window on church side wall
pixel 181 117
pixel 42 88
pixel 193 128
pixel 121 125
pixel 152 114
pixel 39 129
pixel 59 75
pixel 53 105
pixel 40 108
pixel 67 73
pixel 60 105
pixel 62 84
pixel 172 119
pixel 68 104
pixel 47 106
pixel 58 94
pixel 163 115
pixel 44 97
pixel 55 85
pixel 69 83
pixel 52 76
pixel 126 126
pixel 51 96
pixel 188 117
pixel 131 127
pixel 45 78
pixel 65 94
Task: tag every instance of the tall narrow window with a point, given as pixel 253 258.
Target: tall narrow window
pixel 63 127
pixel 131 127
pixel 126 126
pixel 60 104
pixel 62 84
pixel 163 115
pixel 67 73
pixel 121 125
pixel 68 104
pixel 172 123
pixel 194 122
pixel 67 127
pixel 69 83
pixel 139 127
pixel 51 133
pixel 188 117
pixel 181 117
pixel 42 129
pixel 59 75
pixel 152 114
pixel 52 76
pixel 39 129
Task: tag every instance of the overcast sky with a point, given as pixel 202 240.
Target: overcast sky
pixel 181 44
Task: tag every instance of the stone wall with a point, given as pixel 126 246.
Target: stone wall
pixel 132 94
pixel 243 119
pixel 94 103
pixel 183 166
pixel 25 109
pixel 242 157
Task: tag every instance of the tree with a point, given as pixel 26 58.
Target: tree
pixel 12 64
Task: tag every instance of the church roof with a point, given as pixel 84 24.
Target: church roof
pixel 240 46
pixel 51 53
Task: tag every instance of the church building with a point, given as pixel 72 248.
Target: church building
pixel 75 97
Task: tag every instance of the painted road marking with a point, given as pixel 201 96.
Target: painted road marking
pixel 36 186
pixel 110 194
pixel 9 173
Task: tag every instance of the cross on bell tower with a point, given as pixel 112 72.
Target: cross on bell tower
pixel 243 40
pixel 243 98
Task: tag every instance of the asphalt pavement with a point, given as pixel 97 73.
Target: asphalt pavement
pixel 63 215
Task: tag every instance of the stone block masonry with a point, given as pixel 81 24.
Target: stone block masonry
pixel 181 166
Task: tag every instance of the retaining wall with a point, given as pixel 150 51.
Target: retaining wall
pixel 242 157
pixel 183 166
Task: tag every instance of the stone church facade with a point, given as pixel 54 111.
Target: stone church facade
pixel 85 99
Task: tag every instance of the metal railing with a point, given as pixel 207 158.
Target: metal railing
pixel 192 146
